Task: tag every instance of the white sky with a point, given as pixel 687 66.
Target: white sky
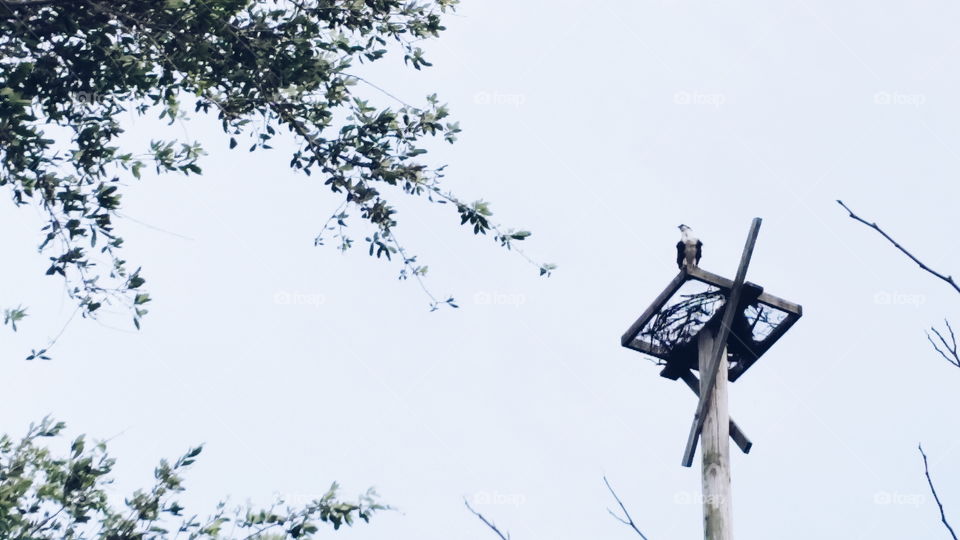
pixel 600 127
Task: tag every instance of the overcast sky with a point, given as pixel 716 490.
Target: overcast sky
pixel 600 127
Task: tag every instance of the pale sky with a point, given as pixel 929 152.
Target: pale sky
pixel 600 127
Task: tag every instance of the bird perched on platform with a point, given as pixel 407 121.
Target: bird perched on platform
pixel 689 248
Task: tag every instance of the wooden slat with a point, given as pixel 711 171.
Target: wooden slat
pixel 720 345
pixel 710 278
pixel 764 346
pixel 648 348
pixel 657 304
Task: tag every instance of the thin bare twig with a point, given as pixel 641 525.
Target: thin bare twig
pixel 874 226
pixel 926 471
pixel 629 520
pixel 486 522
pixel 949 351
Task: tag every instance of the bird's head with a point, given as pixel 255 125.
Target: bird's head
pixel 683 228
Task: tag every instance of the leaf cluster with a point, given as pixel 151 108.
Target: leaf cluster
pixel 71 69
pixel 44 496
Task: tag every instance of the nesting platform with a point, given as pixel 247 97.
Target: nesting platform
pixel 694 300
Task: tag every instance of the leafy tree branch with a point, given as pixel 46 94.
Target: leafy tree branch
pixel 45 496
pixel 70 69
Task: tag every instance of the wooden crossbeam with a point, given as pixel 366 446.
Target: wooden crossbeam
pixel 729 310
pixel 763 347
pixel 738 436
pixel 721 282
pixel 635 328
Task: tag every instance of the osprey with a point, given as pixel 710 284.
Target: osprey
pixel 689 248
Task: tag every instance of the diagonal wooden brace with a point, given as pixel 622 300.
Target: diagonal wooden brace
pixel 736 433
pixel 710 377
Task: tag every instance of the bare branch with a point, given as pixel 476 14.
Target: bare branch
pixel 926 471
pixel 949 350
pixel 629 520
pixel 486 522
pixel 874 226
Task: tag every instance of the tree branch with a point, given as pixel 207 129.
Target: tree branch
pixel 949 351
pixel 11 5
pixel 629 520
pixel 926 471
pixel 28 3
pixel 486 521
pixel 874 226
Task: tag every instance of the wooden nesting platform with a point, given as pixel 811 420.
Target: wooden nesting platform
pixel 743 349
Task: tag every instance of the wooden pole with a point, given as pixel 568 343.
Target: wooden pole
pixel 736 433
pixel 717 518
